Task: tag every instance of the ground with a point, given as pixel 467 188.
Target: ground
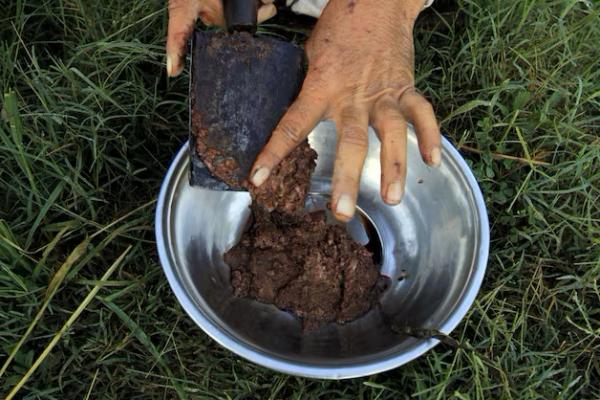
pixel 88 127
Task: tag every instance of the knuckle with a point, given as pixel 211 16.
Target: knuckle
pixel 386 112
pixel 410 107
pixel 181 36
pixel 390 123
pixel 386 105
pixel 394 168
pixel 426 104
pixel 429 107
pixel 175 5
pixel 395 119
pixel 354 135
pixel 393 125
pixel 345 179
pixel 269 157
pixel 289 131
pixel 315 84
pixel 300 110
pixel 347 115
pixel 416 102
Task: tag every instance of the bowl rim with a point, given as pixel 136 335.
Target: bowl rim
pixel 311 371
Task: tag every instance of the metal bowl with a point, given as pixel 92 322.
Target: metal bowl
pixel 433 246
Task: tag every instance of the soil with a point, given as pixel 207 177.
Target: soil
pixel 287 187
pixel 297 260
pixel 305 265
pixel 221 166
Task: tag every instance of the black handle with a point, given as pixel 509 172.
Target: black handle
pixel 240 15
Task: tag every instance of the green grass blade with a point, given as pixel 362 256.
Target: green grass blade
pixel 87 300
pixel 16 127
pixel 43 211
pixel 53 286
pixel 145 340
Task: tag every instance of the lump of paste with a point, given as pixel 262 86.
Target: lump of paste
pixel 304 265
pixel 296 260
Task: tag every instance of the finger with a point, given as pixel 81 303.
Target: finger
pixel 211 12
pixel 292 129
pixel 391 127
pixel 352 146
pixel 266 12
pixel 182 16
pixel 420 113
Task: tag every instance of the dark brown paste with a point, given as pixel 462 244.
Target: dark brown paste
pixel 305 265
pixel 297 260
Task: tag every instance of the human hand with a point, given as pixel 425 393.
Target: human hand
pixel 360 71
pixel 182 17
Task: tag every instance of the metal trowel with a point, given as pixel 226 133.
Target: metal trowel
pixel 241 85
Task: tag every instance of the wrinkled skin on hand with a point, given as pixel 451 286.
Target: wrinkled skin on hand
pixel 182 17
pixel 361 72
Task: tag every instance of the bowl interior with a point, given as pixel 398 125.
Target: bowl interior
pixel 433 247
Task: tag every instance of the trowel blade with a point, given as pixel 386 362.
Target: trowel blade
pixel 240 88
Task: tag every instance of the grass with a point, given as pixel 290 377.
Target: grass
pixel 89 124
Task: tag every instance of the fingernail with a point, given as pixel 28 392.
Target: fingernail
pixel 436 157
pixel 394 193
pixel 345 206
pixel 260 176
pixel 169 65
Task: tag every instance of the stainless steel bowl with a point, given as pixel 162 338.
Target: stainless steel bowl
pixel 433 246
